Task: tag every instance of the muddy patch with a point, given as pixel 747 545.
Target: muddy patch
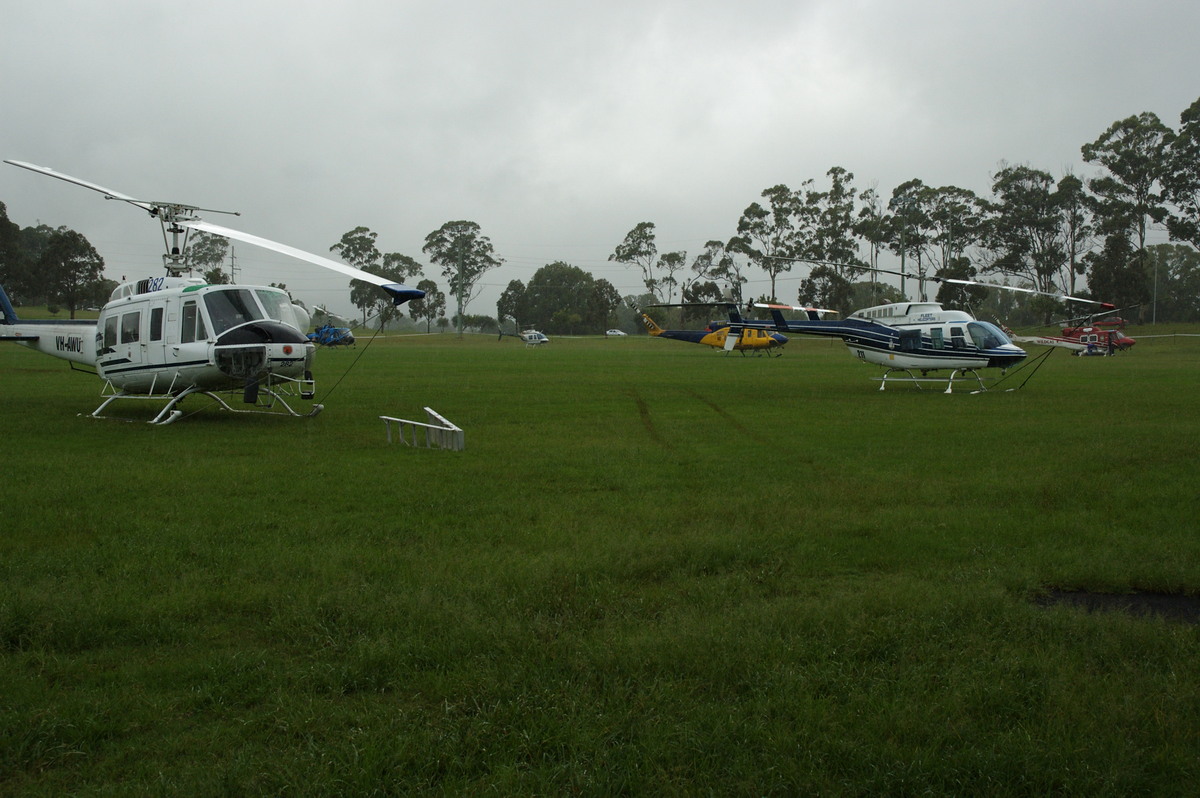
pixel 1169 606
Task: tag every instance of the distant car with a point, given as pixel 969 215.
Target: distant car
pixel 613 332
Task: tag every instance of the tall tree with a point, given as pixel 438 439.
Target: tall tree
pixel 871 227
pixel 73 271
pixel 357 248
pixel 1024 227
pixel 1182 178
pixel 717 262
pixel 1129 197
pixel 670 264
pixel 429 307
pixel 511 304
pixel 206 254
pixel 464 254
pixel 1077 230
pixel 829 225
pixel 907 226
pixel 768 235
pixel 638 249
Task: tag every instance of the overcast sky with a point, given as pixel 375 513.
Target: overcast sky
pixel 557 126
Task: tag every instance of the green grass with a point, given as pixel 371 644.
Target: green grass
pixel 655 569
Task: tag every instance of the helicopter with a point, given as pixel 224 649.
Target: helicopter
pixel 920 336
pixel 736 334
pixel 1085 337
pixel 328 335
pixel 531 337
pixel 166 338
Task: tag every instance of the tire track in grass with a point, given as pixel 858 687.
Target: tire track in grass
pixel 647 421
pixel 729 417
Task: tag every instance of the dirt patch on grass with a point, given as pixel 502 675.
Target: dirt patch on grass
pixel 1170 606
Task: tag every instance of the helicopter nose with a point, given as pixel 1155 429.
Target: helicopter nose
pixel 258 347
pixel 779 339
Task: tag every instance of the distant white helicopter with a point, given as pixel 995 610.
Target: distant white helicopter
pixel 531 337
pixel 919 336
pixel 166 338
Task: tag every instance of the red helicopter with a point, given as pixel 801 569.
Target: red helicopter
pixel 1087 337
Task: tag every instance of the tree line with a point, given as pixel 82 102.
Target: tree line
pixel 1054 235
pixel 1067 234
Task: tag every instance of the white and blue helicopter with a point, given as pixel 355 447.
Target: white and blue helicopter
pixel 166 338
pixel 920 336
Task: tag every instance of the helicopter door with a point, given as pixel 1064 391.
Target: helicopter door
pixel 155 334
pixel 129 344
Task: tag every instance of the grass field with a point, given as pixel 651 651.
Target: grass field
pixel 654 570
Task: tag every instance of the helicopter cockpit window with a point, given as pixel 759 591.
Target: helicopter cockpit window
pixel 278 306
pixel 987 335
pixel 131 324
pixel 231 307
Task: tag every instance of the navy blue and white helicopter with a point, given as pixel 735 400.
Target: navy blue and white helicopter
pixel 166 338
pixel 919 336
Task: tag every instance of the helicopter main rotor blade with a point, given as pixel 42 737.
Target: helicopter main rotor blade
pixel 935 279
pixel 107 192
pixel 400 293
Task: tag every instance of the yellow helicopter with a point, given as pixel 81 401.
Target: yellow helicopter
pixel 734 335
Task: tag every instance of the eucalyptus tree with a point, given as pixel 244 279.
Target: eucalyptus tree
pixel 717 262
pixel 357 248
pixel 768 235
pixel 871 228
pixel 429 307
pixel 206 254
pixel 1024 235
pixel 827 288
pixel 1182 178
pixel 669 265
pixel 638 249
pixel 703 266
pixel 464 254
pixel 1077 229
pixel 907 225
pixel 1129 197
pixel 828 225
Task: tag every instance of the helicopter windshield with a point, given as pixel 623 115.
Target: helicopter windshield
pixel 278 305
pixel 230 307
pixel 986 335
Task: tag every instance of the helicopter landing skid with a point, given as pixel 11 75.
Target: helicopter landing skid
pixel 273 404
pixel 915 380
